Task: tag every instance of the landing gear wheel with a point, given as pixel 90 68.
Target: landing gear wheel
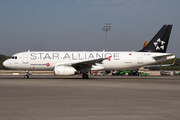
pixel 85 76
pixel 26 76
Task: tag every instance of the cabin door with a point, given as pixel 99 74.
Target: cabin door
pixel 25 58
pixel 140 59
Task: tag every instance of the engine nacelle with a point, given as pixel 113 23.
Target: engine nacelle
pixel 64 70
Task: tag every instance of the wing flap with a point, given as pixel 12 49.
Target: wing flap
pixel 90 64
pixel 87 64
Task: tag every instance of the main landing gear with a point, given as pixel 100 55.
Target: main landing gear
pixel 27 74
pixel 85 76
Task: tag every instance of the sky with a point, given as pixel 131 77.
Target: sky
pixel 76 25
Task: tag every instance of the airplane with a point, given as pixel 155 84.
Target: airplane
pixel 70 63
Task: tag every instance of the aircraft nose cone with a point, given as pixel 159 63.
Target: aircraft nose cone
pixel 5 63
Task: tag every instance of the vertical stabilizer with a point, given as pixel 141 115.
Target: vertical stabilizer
pixel 160 41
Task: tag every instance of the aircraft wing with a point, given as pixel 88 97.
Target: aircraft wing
pixel 86 65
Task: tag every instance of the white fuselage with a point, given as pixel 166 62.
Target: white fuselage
pixel 47 60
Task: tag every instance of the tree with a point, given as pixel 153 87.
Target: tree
pixel 2 59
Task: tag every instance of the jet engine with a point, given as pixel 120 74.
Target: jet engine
pixel 64 70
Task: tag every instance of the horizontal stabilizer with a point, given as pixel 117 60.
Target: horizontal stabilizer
pixel 169 56
pixel 161 65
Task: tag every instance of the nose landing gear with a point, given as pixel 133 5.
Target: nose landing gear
pixel 27 74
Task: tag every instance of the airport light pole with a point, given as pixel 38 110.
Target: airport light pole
pixel 106 28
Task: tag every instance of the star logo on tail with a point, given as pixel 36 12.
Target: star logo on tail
pixel 159 44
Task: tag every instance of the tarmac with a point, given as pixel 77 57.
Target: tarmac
pixel 48 97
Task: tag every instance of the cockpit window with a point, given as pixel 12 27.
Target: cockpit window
pixel 13 57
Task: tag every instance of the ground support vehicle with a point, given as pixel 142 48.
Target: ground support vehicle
pixel 166 73
pixel 141 73
pixel 176 73
pixel 101 73
pixel 124 72
pixel 127 72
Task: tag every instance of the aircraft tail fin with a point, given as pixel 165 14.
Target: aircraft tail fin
pixel 160 41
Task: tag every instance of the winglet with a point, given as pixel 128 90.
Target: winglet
pixel 109 58
pixel 174 61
